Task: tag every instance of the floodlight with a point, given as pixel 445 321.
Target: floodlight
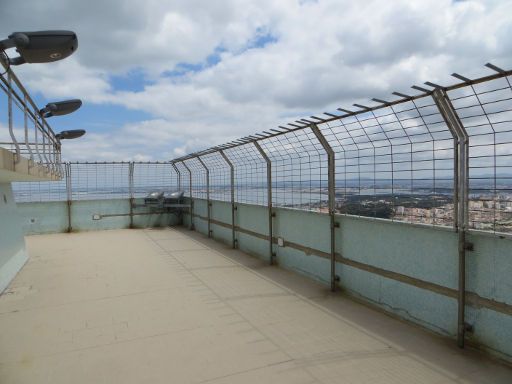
pixel 60 108
pixel 71 134
pixel 40 47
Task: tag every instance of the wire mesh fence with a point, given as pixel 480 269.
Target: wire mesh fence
pixel 101 180
pixel 185 177
pixel 250 174
pixel 398 160
pixel 25 192
pixel 220 178
pixel 199 178
pixel 299 170
pixel 395 163
pixel 155 176
pixel 98 181
pixel 485 110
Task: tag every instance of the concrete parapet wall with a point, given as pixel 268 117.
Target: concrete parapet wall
pixel 407 270
pixel 13 254
pixel 52 217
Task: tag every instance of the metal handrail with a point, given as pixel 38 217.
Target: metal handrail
pixel 39 142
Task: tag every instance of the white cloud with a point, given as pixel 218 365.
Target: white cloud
pixel 323 55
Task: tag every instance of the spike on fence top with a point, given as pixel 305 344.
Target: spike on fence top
pixel 295 125
pixel 344 110
pixel 402 95
pixel 331 114
pixel 364 107
pixel 316 118
pixel 460 77
pixel 380 101
pixel 431 84
pixel 495 68
pixel 421 89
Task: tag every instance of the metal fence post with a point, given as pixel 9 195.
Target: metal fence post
pixel 269 201
pixel 69 196
pixel 331 197
pixel 208 203
pixel 191 199
pixel 131 167
pixel 461 169
pixel 233 208
pixel 178 175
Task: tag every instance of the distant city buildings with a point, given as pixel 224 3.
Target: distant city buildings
pixel 486 211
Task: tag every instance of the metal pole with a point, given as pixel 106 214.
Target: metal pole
pixel 191 199
pixel 269 201
pixel 331 197
pixel 233 208
pixel 208 203
pixel 67 167
pixel 461 191
pixel 17 156
pixel 131 167
pixel 178 174
pixel 25 126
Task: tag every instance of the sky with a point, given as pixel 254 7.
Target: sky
pixel 160 79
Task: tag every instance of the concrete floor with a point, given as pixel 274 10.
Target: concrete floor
pixel 169 306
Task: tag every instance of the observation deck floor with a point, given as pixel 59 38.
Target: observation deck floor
pixel 170 306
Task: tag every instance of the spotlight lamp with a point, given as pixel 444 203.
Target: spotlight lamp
pixel 40 47
pixel 60 108
pixel 71 134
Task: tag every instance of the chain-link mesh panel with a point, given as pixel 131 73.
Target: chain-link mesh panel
pixel 25 192
pixel 250 174
pixel 199 181
pixel 485 110
pixel 149 176
pixel 94 181
pixel 184 177
pixel 395 162
pixel 220 177
pixel 299 170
